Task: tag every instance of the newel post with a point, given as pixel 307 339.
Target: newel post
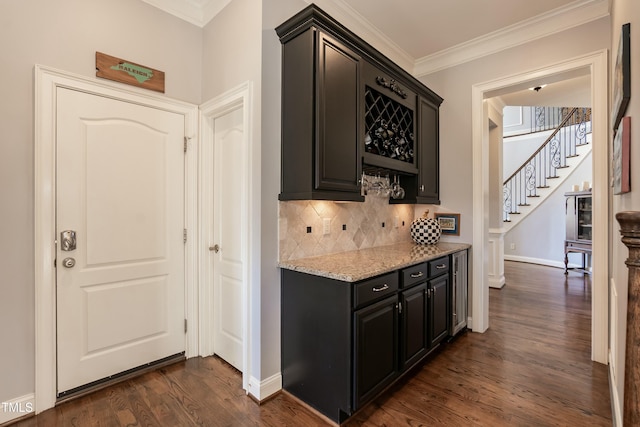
pixel 630 230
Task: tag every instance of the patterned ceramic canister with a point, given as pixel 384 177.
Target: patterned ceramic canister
pixel 425 230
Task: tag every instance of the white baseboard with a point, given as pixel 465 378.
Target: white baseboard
pixel 496 282
pixel 540 261
pixel 16 408
pixel 615 397
pixel 265 388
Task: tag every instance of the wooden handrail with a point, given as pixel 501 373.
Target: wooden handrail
pixel 555 132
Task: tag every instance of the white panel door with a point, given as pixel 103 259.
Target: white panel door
pixel 229 163
pixel 120 187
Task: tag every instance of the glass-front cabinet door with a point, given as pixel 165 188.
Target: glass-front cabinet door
pixel 584 217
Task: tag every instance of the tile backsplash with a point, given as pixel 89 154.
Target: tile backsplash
pixel 351 226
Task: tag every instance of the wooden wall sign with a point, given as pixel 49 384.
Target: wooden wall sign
pixel 120 70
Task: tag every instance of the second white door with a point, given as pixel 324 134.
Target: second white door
pixel 229 210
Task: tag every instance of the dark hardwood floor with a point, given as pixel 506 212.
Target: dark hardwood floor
pixel 531 368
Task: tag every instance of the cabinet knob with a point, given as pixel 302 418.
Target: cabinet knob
pixel 416 275
pixel 381 288
pixel 422 187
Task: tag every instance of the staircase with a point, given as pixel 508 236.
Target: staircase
pixel 566 147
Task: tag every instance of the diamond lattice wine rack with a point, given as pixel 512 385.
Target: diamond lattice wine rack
pixel 389 132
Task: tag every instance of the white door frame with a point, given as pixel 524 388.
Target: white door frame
pixel 47 81
pixel 597 62
pixel 236 98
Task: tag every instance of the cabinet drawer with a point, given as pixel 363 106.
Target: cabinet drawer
pixel 438 266
pixel 416 274
pixel 578 246
pixel 374 289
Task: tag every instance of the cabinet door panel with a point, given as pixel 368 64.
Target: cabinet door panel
pixel 338 163
pixel 428 153
pixel 439 306
pixel 376 348
pixel 413 324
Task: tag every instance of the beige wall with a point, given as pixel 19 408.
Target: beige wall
pixel 231 56
pixel 274 12
pixel 624 11
pixel 64 34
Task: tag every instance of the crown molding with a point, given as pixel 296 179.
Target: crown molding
pixel 196 12
pixel 200 12
pixel 572 15
pixel 352 19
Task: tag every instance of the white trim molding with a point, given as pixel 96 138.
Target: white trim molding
pixel 47 82
pixel 496 258
pixel 239 97
pixel 261 390
pixel 557 20
pixel 539 261
pixel 196 12
pixel 596 62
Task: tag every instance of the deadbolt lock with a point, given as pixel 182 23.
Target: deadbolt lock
pixel 68 240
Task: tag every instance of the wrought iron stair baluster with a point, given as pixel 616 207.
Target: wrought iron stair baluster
pixel 570 132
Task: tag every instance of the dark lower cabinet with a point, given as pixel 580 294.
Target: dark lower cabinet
pixel 376 344
pixel 343 342
pixel 438 309
pixel 414 325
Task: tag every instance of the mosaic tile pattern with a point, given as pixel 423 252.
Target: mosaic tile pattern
pixel 353 226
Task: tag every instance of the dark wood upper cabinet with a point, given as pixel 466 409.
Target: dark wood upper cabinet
pixel 338 89
pixel 348 108
pixel 320 116
pixel 428 190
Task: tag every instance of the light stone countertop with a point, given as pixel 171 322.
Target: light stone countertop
pixel 353 266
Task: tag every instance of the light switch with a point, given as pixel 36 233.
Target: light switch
pixel 326 226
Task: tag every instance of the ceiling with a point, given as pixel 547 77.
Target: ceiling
pixel 424 36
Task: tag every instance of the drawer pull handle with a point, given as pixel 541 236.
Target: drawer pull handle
pixel 441 266
pixel 381 288
pixel 416 275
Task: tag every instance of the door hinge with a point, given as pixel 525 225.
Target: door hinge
pixel 185 326
pixel 184 235
pixel 186 141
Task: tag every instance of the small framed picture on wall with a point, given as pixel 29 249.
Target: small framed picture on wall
pixel 449 223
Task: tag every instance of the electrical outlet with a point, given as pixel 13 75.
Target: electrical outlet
pixel 326 226
pixel 512 246
pixel 396 221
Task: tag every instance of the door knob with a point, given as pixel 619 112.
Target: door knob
pixel 68 262
pixel 215 248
